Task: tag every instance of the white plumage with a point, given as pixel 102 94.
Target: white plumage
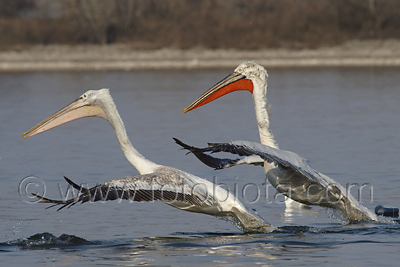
pixel 155 182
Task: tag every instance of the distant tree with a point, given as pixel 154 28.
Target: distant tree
pixel 213 24
pixel 14 8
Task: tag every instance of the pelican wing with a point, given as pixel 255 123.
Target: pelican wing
pixel 167 187
pixel 220 163
pixel 284 159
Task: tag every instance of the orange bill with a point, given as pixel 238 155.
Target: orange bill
pixel 231 83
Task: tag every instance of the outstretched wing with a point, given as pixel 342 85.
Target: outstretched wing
pixel 220 163
pixel 284 159
pixel 167 187
pixel 306 184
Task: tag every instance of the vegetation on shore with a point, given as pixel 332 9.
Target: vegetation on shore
pixel 208 24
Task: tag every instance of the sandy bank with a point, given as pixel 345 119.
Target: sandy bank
pixel 123 57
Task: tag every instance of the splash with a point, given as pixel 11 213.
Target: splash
pixel 48 240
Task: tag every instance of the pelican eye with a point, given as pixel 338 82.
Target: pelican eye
pixel 84 96
pixel 240 70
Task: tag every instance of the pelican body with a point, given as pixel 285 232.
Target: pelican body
pixel 294 178
pixel 176 188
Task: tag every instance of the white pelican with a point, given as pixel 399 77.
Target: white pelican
pixel 155 182
pixel 286 171
pixel 252 77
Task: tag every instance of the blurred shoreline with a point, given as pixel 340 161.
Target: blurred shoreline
pixel 125 57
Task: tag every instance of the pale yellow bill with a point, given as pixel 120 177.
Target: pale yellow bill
pixel 76 110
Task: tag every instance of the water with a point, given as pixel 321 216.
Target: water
pixel 345 121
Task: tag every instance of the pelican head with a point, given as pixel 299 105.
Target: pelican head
pixel 88 104
pixel 247 76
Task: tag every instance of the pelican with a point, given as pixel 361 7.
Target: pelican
pixel 286 171
pixel 252 77
pixel 176 188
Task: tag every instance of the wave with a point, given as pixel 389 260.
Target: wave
pixel 281 236
pixel 46 240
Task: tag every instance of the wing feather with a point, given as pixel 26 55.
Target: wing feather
pixel 140 188
pixel 284 159
pixel 220 163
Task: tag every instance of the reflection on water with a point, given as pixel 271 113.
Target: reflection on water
pixel 343 120
pixel 294 243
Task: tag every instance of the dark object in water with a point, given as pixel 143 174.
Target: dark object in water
pixel 387 211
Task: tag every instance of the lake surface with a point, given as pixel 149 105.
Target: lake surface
pixel 344 120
